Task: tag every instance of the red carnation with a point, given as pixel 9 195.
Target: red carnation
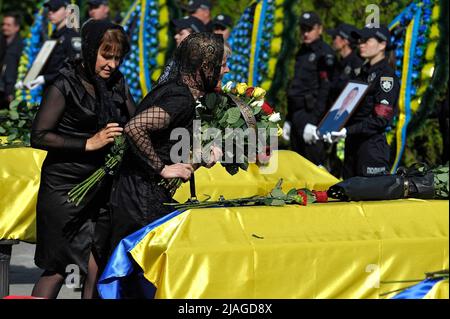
pixel 321 196
pixel 249 91
pixel 267 108
pixel 303 195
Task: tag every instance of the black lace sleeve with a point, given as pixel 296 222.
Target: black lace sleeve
pixel 44 133
pixel 138 132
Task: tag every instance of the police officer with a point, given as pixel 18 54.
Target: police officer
pixel 223 24
pixel 201 9
pixel 98 9
pixel 308 93
pixel 349 63
pixel 185 26
pixel 68 45
pixel 366 150
pixel 11 46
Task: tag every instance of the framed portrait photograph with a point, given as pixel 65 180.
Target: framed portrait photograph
pixel 343 107
pixel 40 60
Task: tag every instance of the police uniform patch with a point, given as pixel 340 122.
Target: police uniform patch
pixel 76 44
pixel 312 57
pixel 385 102
pixel 348 69
pixel 357 71
pixel 386 83
pixel 371 77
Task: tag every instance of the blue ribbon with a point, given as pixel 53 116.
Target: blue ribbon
pixel 120 264
pixel 418 291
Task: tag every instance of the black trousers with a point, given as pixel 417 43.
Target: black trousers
pixel 366 156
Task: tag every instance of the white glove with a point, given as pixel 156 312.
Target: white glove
pixel 287 131
pixel 335 136
pixel 19 85
pixel 35 83
pixel 310 134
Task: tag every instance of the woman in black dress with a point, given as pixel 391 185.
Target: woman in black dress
pixel 80 114
pixel 137 199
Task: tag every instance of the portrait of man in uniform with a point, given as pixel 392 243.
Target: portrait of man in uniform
pixel 342 109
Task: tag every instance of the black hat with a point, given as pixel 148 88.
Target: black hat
pixel 310 19
pixel 223 20
pixel 344 31
pixel 381 33
pixel 189 22
pixel 193 5
pixel 96 3
pixel 55 5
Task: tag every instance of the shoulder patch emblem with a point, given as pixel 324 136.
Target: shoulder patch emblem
pixel 386 83
pixel 312 57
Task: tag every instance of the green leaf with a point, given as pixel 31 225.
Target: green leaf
pixel 277 202
pixel 233 115
pixel 256 110
pixel 224 118
pixel 211 101
pixel 12 137
pixel 21 123
pixel 277 193
pixel 239 123
pixel 14 104
pixel 292 192
pixel 14 115
pixel 2 130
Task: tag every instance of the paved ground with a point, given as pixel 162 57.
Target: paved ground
pixel 23 273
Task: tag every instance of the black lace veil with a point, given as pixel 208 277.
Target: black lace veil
pixel 196 62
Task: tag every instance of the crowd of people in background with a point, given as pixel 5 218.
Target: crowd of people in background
pixel 321 73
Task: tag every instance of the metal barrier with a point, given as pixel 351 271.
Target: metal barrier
pixel 5 259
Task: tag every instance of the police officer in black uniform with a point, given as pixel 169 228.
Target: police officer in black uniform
pixel 366 150
pixel 201 9
pixel 68 44
pixel 308 93
pixel 349 63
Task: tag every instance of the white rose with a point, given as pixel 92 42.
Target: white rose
pixel 227 87
pixel 257 103
pixel 275 117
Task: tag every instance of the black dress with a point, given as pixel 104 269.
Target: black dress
pixel 66 234
pixel 136 198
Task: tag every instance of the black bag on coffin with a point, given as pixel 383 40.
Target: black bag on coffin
pixel 412 182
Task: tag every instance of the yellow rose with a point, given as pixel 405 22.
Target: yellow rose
pixel 241 88
pixel 259 93
pixel 280 131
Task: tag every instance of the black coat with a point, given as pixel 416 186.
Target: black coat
pixel 9 63
pixel 66 233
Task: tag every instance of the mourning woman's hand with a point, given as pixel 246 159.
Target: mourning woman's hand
pixel 104 137
pixel 179 170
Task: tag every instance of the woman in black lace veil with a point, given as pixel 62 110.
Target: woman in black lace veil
pixel 80 114
pixel 138 198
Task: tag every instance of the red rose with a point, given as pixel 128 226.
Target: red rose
pixel 267 108
pixel 264 156
pixel 249 91
pixel 321 196
pixel 303 195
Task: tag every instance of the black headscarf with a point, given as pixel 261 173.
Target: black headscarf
pixel 92 33
pixel 197 62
